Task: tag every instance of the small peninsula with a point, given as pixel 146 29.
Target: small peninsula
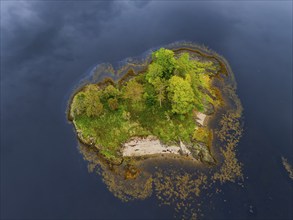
pixel 162 110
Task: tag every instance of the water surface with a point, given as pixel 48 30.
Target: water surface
pixel 48 47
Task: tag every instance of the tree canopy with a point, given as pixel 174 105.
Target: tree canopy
pixel 165 58
pixel 181 95
pixel 133 91
pixel 184 65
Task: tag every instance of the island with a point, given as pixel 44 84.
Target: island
pixel 166 123
pixel 163 110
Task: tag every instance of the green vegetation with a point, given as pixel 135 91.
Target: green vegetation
pixel 181 95
pixel 202 135
pixel 161 101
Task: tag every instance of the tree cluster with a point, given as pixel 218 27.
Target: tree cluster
pixel 178 80
pixel 172 81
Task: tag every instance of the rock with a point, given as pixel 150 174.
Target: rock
pixel 116 161
pixel 137 147
pixel 201 152
pixel 209 109
pixel 183 149
pixel 200 118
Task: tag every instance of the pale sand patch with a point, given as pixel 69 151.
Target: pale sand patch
pixel 150 146
pixel 201 118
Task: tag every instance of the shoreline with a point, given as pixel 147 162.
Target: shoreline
pixel 140 147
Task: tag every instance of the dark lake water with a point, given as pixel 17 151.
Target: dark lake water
pixel 48 46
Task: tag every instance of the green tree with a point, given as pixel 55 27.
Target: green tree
pixel 181 95
pixel 195 83
pixel 150 99
pixel 165 58
pixel 184 65
pixel 154 71
pixel 110 92
pixel 201 67
pixel 113 103
pixel 160 88
pixel 155 77
pixel 94 107
pixel 133 91
pixel 78 106
pixel 92 101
